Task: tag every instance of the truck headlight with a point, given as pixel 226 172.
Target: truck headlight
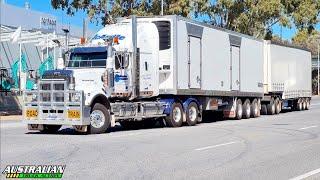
pixel 34 97
pixel 76 97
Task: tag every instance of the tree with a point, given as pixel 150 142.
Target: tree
pixel 256 17
pixel 307 39
pixel 102 11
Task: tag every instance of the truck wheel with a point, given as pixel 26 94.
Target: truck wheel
pixel 304 104
pixel 308 104
pixel 50 129
pixel 299 105
pixel 175 118
pixel 99 119
pixel 271 107
pixel 239 109
pixel 254 109
pixel 277 106
pixel 247 109
pixel 263 109
pixel 192 114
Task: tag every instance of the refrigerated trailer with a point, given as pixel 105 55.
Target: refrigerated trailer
pixel 165 68
pixel 287 78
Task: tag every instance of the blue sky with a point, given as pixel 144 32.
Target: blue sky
pixel 45 6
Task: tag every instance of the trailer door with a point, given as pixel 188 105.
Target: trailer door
pixel 235 68
pixel 194 62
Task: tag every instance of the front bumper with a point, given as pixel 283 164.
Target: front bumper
pixel 54 107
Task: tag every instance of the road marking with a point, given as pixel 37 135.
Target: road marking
pixel 309 127
pixel 303 176
pixel 214 146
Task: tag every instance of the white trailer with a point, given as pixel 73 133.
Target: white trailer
pixel 157 68
pixel 287 78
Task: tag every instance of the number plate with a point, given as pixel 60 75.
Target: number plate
pixel 31 113
pixel 73 114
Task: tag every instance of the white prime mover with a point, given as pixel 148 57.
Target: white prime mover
pixel 164 68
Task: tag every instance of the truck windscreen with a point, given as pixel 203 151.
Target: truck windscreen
pixel 92 59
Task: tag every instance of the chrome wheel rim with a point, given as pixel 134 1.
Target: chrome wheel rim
pixel 176 114
pixel 97 119
pixel 192 113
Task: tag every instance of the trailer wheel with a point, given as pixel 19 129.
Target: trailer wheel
pixel 247 109
pixel 254 109
pixel 264 110
pixel 50 129
pixel 304 104
pixel 192 114
pixel 277 106
pixel 299 105
pixel 271 107
pixel 99 119
pixel 308 104
pixel 175 118
pixel 239 109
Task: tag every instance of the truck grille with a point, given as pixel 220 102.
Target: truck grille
pixel 52 91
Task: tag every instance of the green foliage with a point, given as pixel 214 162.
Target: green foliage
pixel 256 17
pixel 308 39
pixel 102 11
pixel 252 17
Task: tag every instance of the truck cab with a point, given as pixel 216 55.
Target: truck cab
pixel 98 80
pixel 65 96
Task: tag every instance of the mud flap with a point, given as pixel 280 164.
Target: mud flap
pixel 230 110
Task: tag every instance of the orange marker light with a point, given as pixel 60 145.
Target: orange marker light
pixel 82 40
pixel 116 40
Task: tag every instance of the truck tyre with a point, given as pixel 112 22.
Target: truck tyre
pixel 304 104
pixel 50 129
pixel 99 119
pixel 246 109
pixel 192 114
pixel 299 105
pixel 254 109
pixel 175 118
pixel 308 104
pixel 239 110
pixel 277 106
pixel 271 107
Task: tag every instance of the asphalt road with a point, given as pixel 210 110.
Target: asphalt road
pixel 284 146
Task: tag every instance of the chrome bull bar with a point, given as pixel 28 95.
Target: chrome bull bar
pixel 53 103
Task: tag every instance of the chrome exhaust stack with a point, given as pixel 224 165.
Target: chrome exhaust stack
pixel 135 60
